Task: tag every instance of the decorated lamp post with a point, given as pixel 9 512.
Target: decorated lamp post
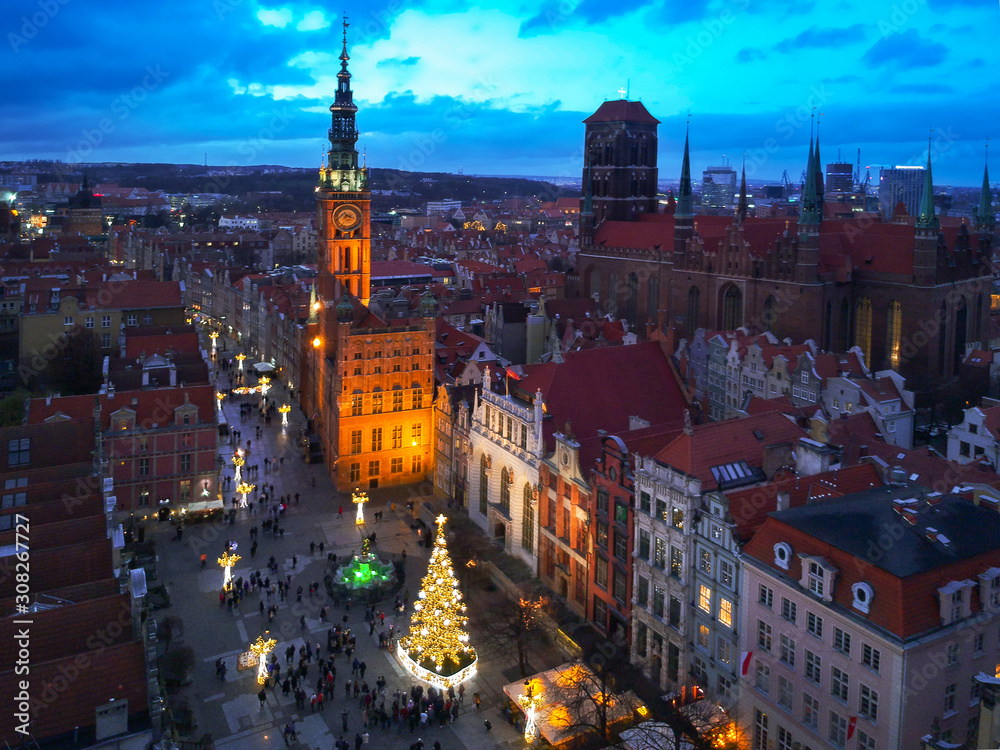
pixel 214 335
pixel 245 489
pixel 219 397
pixel 284 409
pixel 265 386
pixel 359 498
pixel 261 648
pixel 530 702
pixel 238 462
pixel 227 561
pixel 239 358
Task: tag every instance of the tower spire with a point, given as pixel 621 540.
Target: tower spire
pixel 684 190
pixel 741 208
pixel 808 213
pixel 984 216
pixel 818 187
pixel 927 219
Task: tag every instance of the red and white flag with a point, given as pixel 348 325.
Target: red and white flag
pixel 745 662
pixel 852 722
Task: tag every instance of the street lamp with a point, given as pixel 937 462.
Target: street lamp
pixel 261 648
pixel 530 702
pixel 359 498
pixel 238 462
pixel 227 561
pixel 283 410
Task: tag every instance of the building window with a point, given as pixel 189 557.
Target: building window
pixel 870 657
pixel 816 578
pixel 763 635
pixel 765 596
pixel 505 480
pixel 88 322
pixel 644 502
pixel 814 624
pixel 105 321
pixel 868 704
pixel 376 438
pixel 979 642
pixel 839 684
pixel 376 403
pixel 131 319
pixel 397 436
pixel 676 562
pixel 185 462
pixel 785 740
pixel 866 741
pixel 601 573
pixel 642 591
pixel 105 340
pixel 810 711
pixel 952 654
pixel 641 639
pixel 528 521
pixel 759 730
pixel 762 677
pixel 863 326
pixel 19 452
pixel 788 609
pixel 838 730
pixel 786 693
pixel 659 597
pixel 619 586
pixel 726 573
pixel 674 615
pixel 621 513
pixel 396 466
pixel 373 469
pixel 643 544
pixel 600 612
pixel 602 500
pixel 143 467
pixel 949 698
pixel 418 464
pixel 724 688
pixel 724 650
pixel 842 641
pixel 705 599
pixel 894 331
pixel 660 553
pixel 418 398
pixel 726 612
pixel 705 562
pixel 68 321
pixel 144 497
pixel 788 651
pixel 355 441
pixel 416 433
pixel 355 472
pixel 397 400
pixel 483 484
pixel 356 405
pixel 185 491
pixel 621 545
pixel 814 667
pixel 677 519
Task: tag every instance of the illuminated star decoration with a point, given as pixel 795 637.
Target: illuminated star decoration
pixel 245 489
pixel 238 462
pixel 227 561
pixel 261 648
pixel 283 410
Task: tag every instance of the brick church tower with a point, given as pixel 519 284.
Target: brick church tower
pixel 619 171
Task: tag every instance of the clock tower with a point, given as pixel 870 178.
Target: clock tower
pixel 344 202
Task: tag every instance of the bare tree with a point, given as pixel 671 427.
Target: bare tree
pixel 512 623
pixel 587 700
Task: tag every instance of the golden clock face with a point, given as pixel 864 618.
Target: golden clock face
pixel 346 218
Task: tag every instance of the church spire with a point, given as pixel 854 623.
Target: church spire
pixel 819 175
pixel 926 218
pixel 684 210
pixel 742 206
pixel 810 213
pixel 984 216
pixel 343 173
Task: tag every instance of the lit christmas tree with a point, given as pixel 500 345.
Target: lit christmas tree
pixel 437 649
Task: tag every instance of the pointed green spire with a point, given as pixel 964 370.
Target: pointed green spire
pixel 684 210
pixel 926 218
pixel 984 216
pixel 809 212
pixel 819 176
pixel 742 206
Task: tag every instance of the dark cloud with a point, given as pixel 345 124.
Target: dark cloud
pixel 750 54
pixel 905 50
pixel 818 38
pixel 396 62
pixel 557 14
pixel 922 88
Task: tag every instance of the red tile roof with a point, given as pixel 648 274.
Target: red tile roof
pixel 621 110
pixel 719 443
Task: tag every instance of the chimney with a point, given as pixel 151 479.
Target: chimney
pixel 783 500
pixel 173 375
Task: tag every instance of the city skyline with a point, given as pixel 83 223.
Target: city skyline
pixel 501 90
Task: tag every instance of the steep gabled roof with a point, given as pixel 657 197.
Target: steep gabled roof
pixel 621 110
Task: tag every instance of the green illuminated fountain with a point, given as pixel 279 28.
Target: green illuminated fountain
pixel 365 573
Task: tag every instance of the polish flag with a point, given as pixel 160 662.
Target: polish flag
pixel 852 722
pixel 745 662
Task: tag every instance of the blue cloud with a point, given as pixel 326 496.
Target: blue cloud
pixel 556 14
pixel 819 38
pixel 750 54
pixel 906 49
pixel 395 62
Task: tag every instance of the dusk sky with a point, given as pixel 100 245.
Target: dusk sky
pixel 501 87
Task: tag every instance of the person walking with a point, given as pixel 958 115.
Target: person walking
pixel 343 718
pixel 476 700
pixel 262 697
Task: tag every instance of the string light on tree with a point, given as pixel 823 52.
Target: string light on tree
pixel 238 462
pixel 261 648
pixel 283 410
pixel 227 561
pixel 359 498
pixel 245 489
pixel 437 648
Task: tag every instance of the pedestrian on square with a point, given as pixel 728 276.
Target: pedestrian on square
pixel 343 718
pixel 262 697
pixel 476 700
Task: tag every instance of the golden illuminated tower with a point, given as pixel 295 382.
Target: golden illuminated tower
pixel 344 202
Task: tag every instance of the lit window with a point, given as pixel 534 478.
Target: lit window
pixel 726 612
pixel 705 599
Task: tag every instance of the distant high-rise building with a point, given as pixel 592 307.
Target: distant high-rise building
pixel 900 183
pixel 839 177
pixel 718 187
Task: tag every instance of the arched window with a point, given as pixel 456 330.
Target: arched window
pixel 484 481
pixel 694 306
pixel 528 520
pixel 613 294
pixel 653 299
pixel 633 298
pixel 732 309
pixel 863 327
pixel 505 490
pixel 894 332
pixel 770 314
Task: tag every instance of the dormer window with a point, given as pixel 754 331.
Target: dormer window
pixel 782 555
pixel 817 576
pixel 989 589
pixel 863 595
pixel 955 601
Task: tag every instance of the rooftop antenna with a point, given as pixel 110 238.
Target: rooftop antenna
pixel 628 88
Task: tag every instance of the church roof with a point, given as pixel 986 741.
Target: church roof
pixel 621 110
